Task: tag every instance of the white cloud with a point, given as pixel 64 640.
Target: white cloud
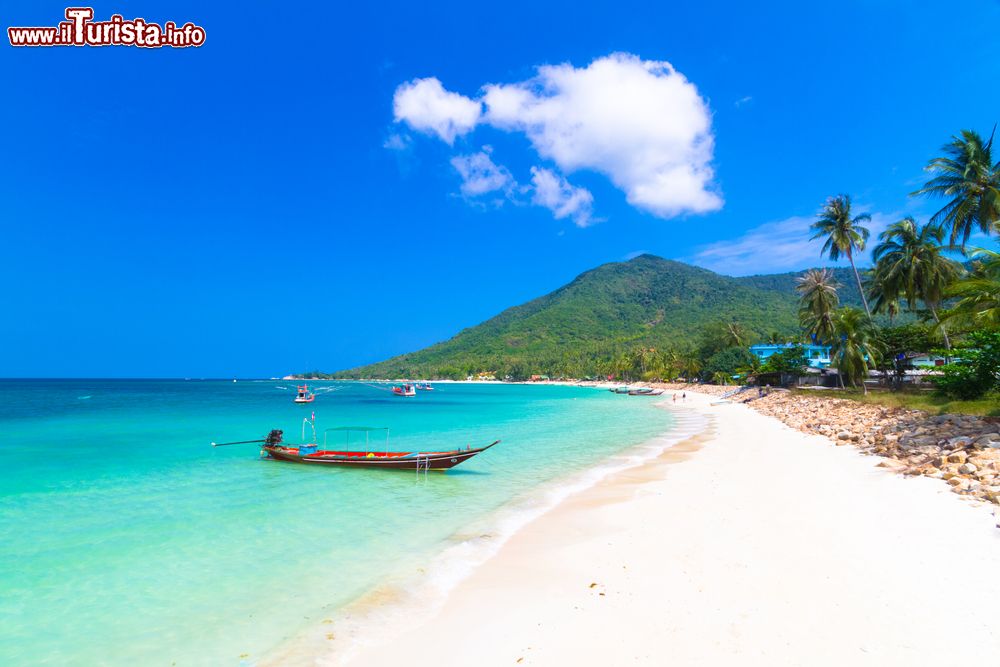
pixel 778 246
pixel 396 142
pixel 743 100
pixel 564 200
pixel 639 122
pixel 480 175
pixel 425 105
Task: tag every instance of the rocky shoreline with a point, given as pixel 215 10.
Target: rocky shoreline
pixel 963 450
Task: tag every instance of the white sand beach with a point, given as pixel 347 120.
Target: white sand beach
pixel 750 544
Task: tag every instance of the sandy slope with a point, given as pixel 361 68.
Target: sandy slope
pixel 755 545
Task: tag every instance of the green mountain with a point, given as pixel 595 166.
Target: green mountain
pixel 645 302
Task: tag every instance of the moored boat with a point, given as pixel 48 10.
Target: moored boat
pixel 426 386
pixel 404 390
pixel 303 395
pixel 273 447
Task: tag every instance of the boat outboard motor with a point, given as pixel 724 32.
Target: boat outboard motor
pixel 273 438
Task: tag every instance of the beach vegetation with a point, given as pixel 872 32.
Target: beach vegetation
pixel 898 344
pixel 727 363
pixel 911 268
pixel 975 372
pixel 976 297
pixel 819 300
pixel 790 361
pixel 844 234
pixel 855 346
pixel 969 179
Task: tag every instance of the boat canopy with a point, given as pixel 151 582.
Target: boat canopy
pixel 367 430
pixel 357 428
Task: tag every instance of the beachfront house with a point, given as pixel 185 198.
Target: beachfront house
pixel 818 355
pixel 925 360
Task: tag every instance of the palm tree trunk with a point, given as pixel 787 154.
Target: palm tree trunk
pixel 944 331
pixel 857 277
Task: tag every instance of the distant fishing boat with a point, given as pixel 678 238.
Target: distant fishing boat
pixel 274 448
pixel 303 395
pixel 426 386
pixel 404 390
pixel 645 391
pixel 622 390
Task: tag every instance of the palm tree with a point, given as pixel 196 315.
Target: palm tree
pixel 670 362
pixel 967 176
pixel 720 377
pixel 691 366
pixel 978 294
pixel 883 301
pixel 844 234
pixel 910 265
pixel 644 358
pixel 818 300
pixel 751 369
pixel 856 346
pixel 736 335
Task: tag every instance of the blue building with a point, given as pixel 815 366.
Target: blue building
pixel 818 355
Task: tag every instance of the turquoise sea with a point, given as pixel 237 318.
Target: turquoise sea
pixel 126 539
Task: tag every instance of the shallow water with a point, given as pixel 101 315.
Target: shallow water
pixel 126 539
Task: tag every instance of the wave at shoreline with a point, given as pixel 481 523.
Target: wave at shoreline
pixel 419 593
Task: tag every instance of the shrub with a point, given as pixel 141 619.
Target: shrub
pixel 976 371
pixel 727 362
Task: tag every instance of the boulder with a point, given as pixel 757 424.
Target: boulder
pixel 957 457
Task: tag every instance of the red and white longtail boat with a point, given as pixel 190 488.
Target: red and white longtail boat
pixel 404 390
pixel 273 447
pixel 303 395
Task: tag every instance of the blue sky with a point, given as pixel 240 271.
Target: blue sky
pixel 275 201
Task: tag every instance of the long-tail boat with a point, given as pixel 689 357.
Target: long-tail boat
pixel 303 395
pixel 273 447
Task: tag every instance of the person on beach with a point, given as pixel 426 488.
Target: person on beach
pixel 684 396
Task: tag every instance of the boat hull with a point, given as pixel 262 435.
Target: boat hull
pixel 395 461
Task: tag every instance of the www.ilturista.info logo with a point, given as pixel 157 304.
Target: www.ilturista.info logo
pixel 79 29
